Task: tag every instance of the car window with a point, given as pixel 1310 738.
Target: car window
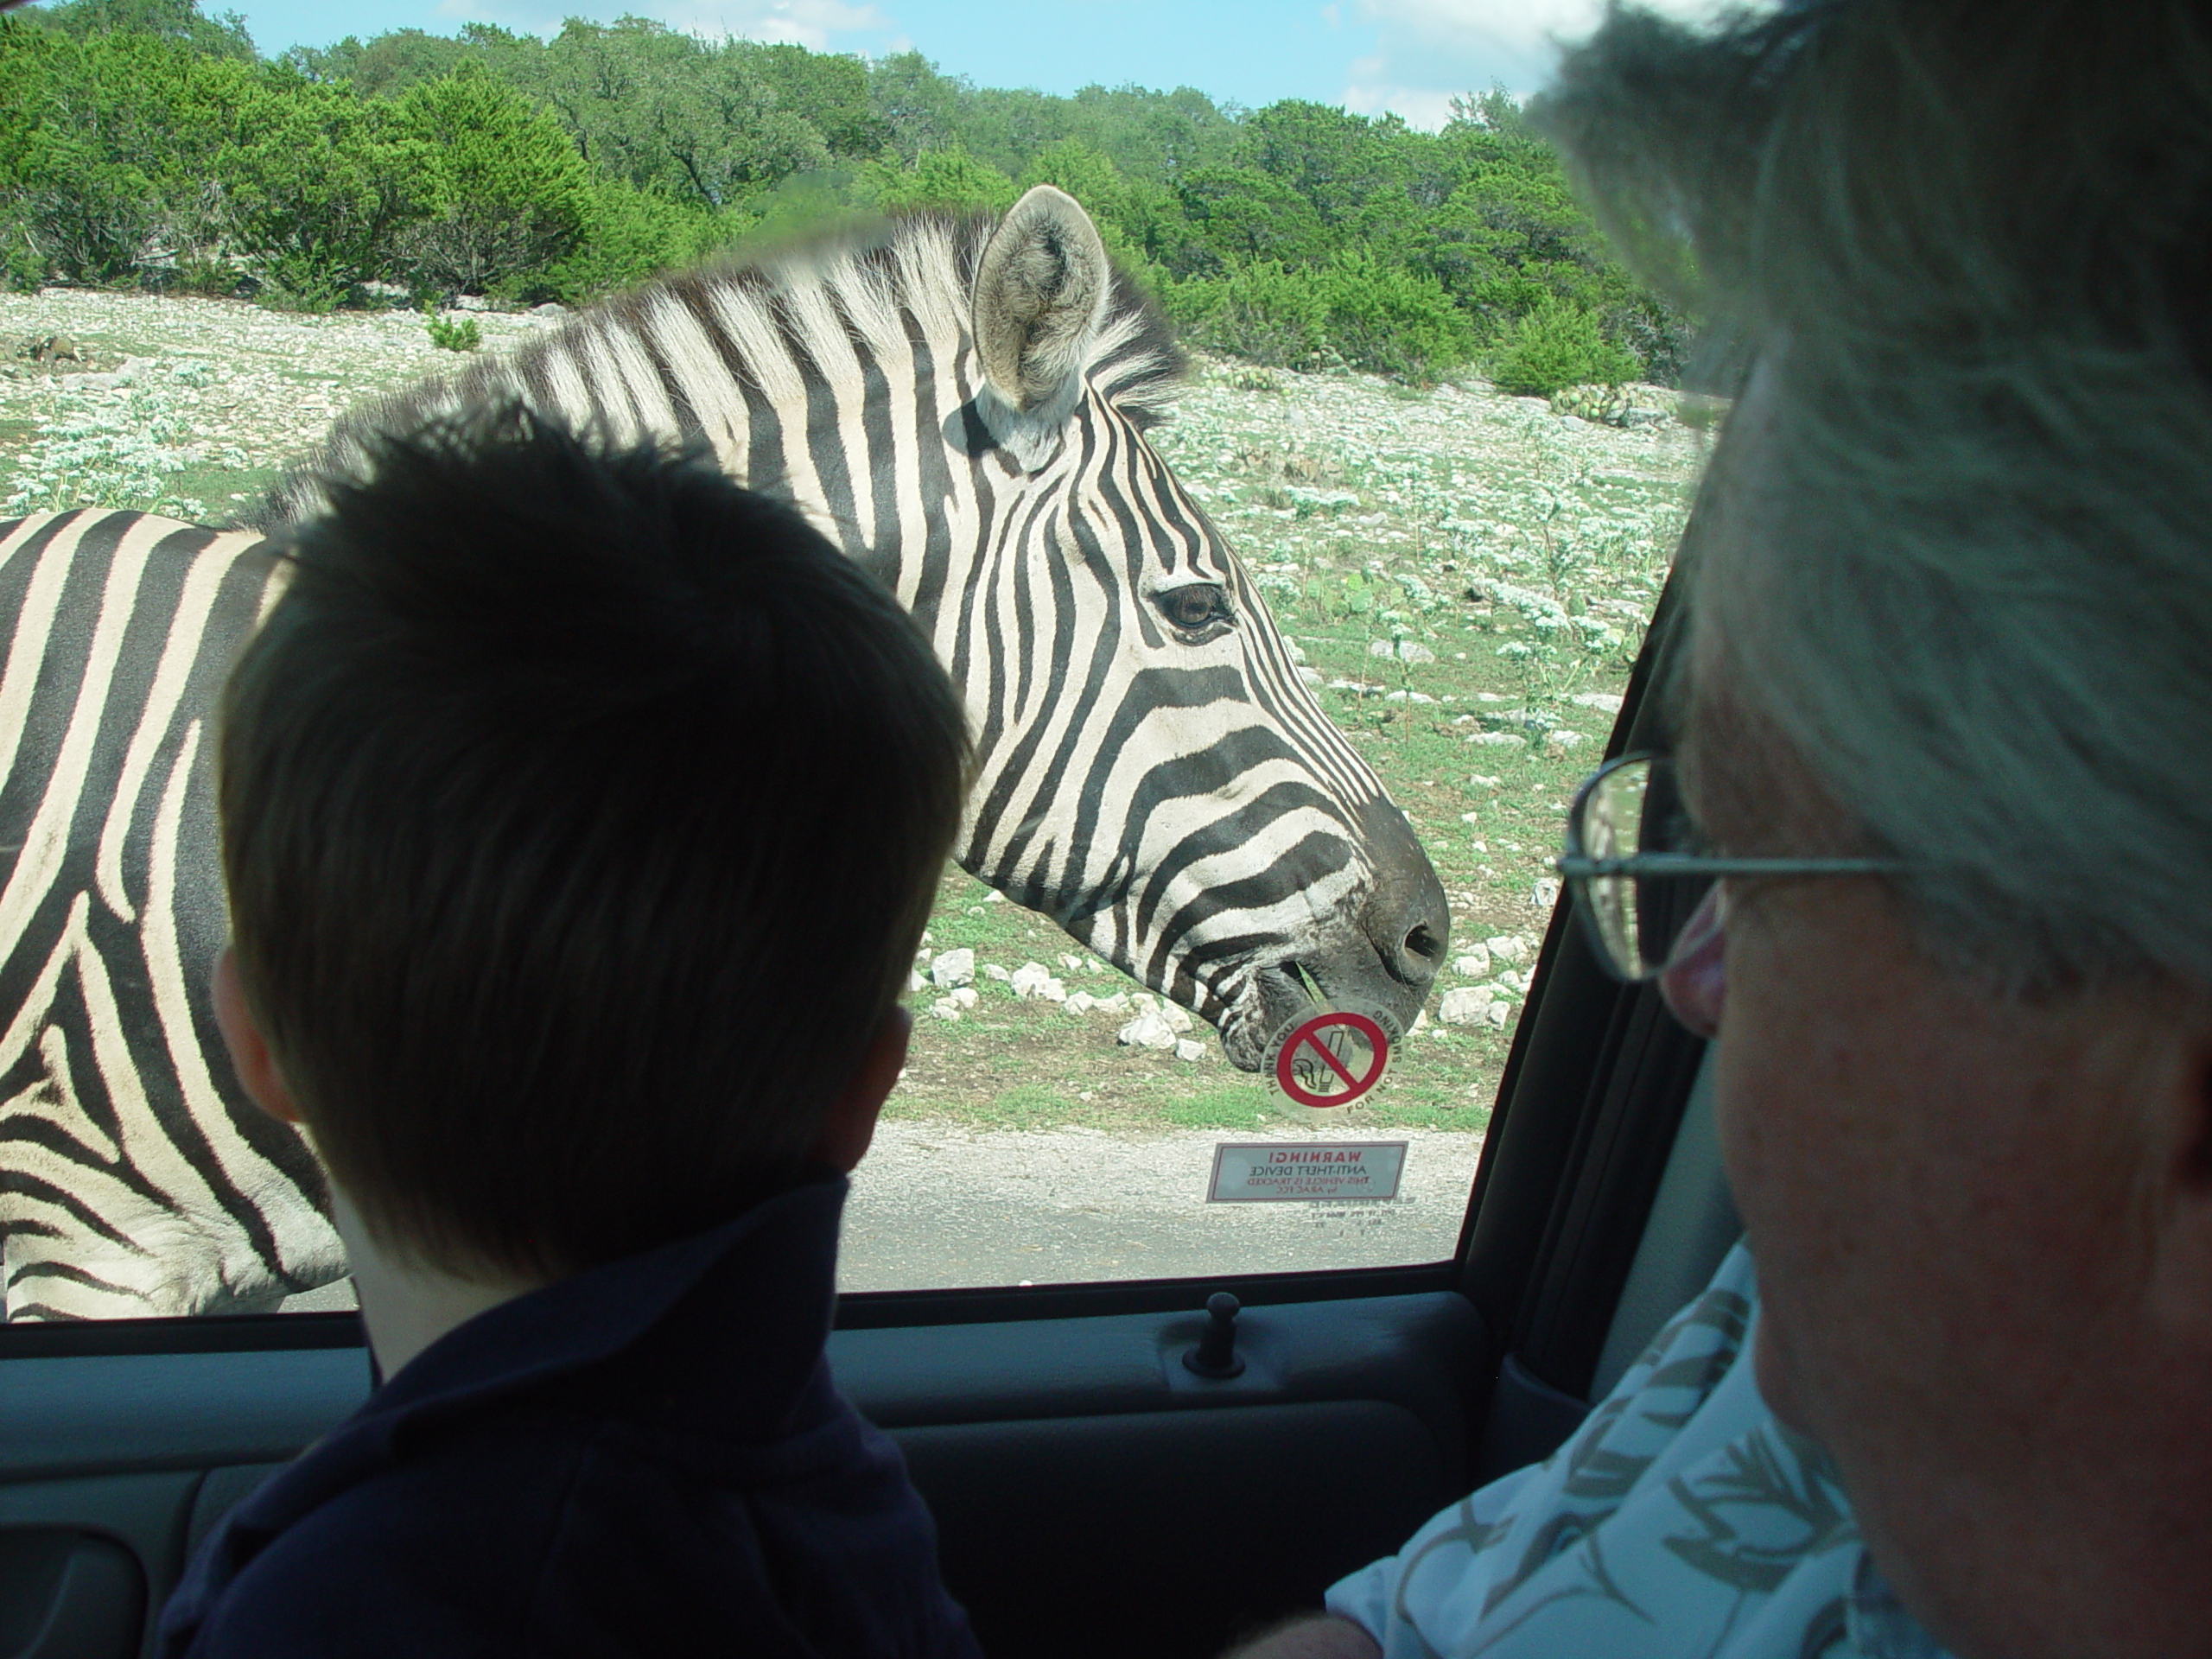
pixel 1450 559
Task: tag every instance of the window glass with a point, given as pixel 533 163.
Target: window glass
pixel 1467 576
pixel 1461 577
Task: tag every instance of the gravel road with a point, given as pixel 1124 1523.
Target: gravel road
pixel 937 1205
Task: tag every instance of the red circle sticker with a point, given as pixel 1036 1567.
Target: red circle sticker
pixel 1331 1059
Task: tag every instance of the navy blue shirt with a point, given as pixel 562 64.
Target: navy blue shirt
pixel 646 1459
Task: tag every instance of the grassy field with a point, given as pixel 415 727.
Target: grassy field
pixel 1467 574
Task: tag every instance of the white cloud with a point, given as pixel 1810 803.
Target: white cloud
pixel 1432 50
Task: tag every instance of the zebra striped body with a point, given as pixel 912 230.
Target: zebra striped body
pixel 134 1178
pixel 961 408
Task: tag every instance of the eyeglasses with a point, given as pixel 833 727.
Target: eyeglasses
pixel 1629 862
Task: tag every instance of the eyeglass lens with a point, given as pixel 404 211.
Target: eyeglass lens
pixel 1633 809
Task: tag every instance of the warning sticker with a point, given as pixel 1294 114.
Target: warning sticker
pixel 1275 1171
pixel 1330 1059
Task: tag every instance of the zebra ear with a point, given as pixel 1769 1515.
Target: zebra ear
pixel 1040 293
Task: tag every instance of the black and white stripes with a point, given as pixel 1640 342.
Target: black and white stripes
pixel 1152 771
pixel 133 1180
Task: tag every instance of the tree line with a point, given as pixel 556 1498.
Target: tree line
pixel 143 142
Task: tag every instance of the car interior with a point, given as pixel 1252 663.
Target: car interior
pixel 1094 1494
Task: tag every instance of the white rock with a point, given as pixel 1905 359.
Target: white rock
pixel 1504 947
pixel 963 996
pixel 1475 964
pixel 1143 1001
pixel 1420 1024
pixel 1480 782
pixel 994 897
pixel 1297 651
pixel 1187 1050
pixel 1544 893
pixel 992 971
pixel 1032 980
pixel 1148 1030
pixel 1564 738
pixel 1117 1003
pixel 945 1008
pixel 1177 1016
pixel 1311 676
pixel 1608 701
pixel 1403 651
pixel 951 968
pixel 1073 964
pixel 915 982
pixel 1081 1003
pixel 1499 1013
pixel 1496 739
pixel 1465 1005
pixel 1407 696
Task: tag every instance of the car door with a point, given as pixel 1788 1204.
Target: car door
pixel 1095 1494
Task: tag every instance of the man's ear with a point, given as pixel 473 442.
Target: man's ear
pixel 851 1123
pixel 2182 1273
pixel 249 1055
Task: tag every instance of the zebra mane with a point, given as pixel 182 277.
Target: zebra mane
pixel 856 276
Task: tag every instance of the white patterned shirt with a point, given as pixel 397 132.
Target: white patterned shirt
pixel 1680 1520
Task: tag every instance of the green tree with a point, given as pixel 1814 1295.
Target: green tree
pixel 321 183
pixel 1238 215
pixel 385 67
pixel 1557 344
pixel 828 90
pixel 178 21
pixel 108 151
pixel 938 178
pixel 1389 320
pixel 673 114
pixel 917 107
pixel 505 193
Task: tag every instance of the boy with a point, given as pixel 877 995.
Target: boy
pixel 581 813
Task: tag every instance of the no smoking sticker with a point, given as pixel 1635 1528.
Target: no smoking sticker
pixel 1330 1059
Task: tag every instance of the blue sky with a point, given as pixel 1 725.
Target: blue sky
pixel 1369 55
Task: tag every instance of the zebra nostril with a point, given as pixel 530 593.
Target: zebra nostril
pixel 1422 945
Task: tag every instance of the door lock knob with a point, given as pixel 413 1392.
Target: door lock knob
pixel 1216 1356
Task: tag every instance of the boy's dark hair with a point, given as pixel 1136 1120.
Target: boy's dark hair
pixel 581 811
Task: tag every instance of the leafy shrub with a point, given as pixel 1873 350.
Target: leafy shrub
pixel 106 147
pixel 1266 312
pixel 938 178
pixel 450 336
pixel 1392 321
pixel 505 195
pixel 321 183
pixel 1557 344
pixel 628 237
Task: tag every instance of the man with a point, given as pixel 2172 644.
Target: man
pixel 1950 660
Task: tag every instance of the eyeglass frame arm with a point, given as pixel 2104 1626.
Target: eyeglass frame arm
pixel 1580 867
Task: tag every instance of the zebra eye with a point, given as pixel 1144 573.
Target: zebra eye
pixel 1194 607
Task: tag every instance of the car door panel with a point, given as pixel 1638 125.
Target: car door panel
pixel 1062 1458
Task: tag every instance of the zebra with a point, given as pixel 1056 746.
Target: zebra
pixel 962 404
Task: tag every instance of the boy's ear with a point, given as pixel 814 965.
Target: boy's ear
pixel 249 1055
pixel 851 1123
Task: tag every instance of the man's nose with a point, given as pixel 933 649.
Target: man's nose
pixel 1695 980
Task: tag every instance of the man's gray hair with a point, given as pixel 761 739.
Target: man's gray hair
pixel 1973 241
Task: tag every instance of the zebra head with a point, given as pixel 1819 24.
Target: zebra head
pixel 1153 771
pixel 962 405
